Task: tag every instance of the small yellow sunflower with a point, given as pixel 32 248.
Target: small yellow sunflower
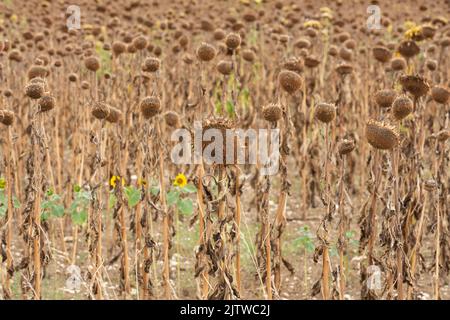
pixel 313 24
pixel 2 183
pixel 141 182
pixel 113 181
pixel 414 33
pixel 180 180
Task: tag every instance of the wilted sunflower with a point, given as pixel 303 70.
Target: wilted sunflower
pixel 415 85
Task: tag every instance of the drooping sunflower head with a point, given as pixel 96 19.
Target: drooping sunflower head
pixel 180 180
pixel 381 135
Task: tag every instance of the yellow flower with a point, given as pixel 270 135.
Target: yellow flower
pixel 414 33
pixel 180 180
pixel 2 183
pixel 313 24
pixel 327 15
pixel 113 181
pixel 409 25
pixel 141 182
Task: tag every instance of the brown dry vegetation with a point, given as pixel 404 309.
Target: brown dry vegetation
pixel 92 207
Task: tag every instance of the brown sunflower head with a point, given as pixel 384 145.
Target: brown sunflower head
pixel 344 69
pixel 272 112
pixel 92 63
pixel 150 106
pixel 382 54
pixel 408 49
pixel 381 136
pixel 415 85
pixel 114 116
pixel 34 90
pixel 233 40
pixel 325 112
pixel 101 110
pixel 402 107
pixel 398 64
pixel 225 67
pixel 6 117
pixel 443 135
pixel 290 81
pixel 46 103
pixel 172 119
pixel 440 94
pixel 151 64
pixel 206 52
pixel 346 146
pixel 384 98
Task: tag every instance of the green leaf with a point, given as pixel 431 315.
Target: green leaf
pixel 189 188
pixel 310 246
pixel 230 108
pixel 112 201
pixel 45 204
pixel 52 207
pixel 58 211
pixel 79 218
pixel 16 203
pixel 44 215
pixel 172 197
pixel 349 234
pixel 185 206
pixel 133 196
pixel 154 190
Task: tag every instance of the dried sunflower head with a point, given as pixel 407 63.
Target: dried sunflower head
pixel 415 85
pixel 381 136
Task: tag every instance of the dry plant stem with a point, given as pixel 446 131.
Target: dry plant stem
pixel 125 260
pixel 138 234
pixel 166 262
pixel 200 202
pixel 394 155
pixel 222 216
pixel 440 171
pixel 342 231
pixel 36 221
pixel 413 257
pixel 325 254
pixel 266 231
pixel 123 231
pixel 436 295
pixel 203 225
pixel 238 232
pixel 148 253
pixel 266 237
pixel 9 219
pixel 373 207
pixel 280 219
pixel 97 220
